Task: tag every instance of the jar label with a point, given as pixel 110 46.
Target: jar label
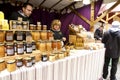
pixel 29 49
pixel 20 50
pixel 9 38
pixel 10 51
pixel 19 63
pixel 33 47
pixel 44 58
pixel 20 37
pixel 28 64
pixel 14 26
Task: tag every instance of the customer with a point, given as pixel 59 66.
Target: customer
pixel 55 28
pixel 23 14
pixel 99 33
pixel 111 39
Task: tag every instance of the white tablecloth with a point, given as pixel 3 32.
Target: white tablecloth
pixel 80 65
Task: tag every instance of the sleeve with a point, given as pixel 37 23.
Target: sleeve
pixel 96 34
pixel 105 37
pixel 14 16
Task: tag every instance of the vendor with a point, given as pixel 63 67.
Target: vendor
pixel 23 14
pixel 55 28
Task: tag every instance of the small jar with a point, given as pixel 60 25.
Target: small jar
pixel 48 46
pixel 14 25
pixel 25 25
pixel 20 48
pixel 2 50
pixel 36 35
pixel 28 37
pixel 52 57
pixel 49 35
pixel 11 65
pixel 61 55
pixel 59 45
pixel 38 27
pixel 2 64
pixel 2 36
pixel 15 47
pixel 9 36
pixel 19 25
pixel 19 61
pixel 27 61
pixel 33 59
pixel 54 45
pixel 10 49
pixel 28 47
pixel 18 36
pixel 44 57
pixel 42 46
pixel 31 27
pixel 44 27
pixel 33 45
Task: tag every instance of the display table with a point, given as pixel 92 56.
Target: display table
pixel 80 65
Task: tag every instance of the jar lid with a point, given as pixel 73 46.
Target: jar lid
pixel 10 61
pixel 24 22
pixel 27 58
pixel 9 44
pixel 19 58
pixel 1 44
pixel 2 60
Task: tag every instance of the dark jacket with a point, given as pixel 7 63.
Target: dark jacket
pixel 111 39
pixel 98 34
pixel 57 35
pixel 17 14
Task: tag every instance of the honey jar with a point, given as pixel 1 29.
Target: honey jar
pixel 19 25
pixel 44 57
pixel 49 35
pixel 19 61
pixel 33 59
pixel 43 35
pixel 25 25
pixel 27 61
pixel 48 46
pixel 44 27
pixel 28 47
pixel 10 49
pixel 37 55
pixel 54 45
pixel 14 25
pixel 18 36
pixel 9 36
pixel 33 45
pixel 2 64
pixel 20 48
pixel 52 57
pixel 31 27
pixel 2 50
pixel 39 27
pixel 11 65
pixel 42 46
pixel 28 37
pixel 59 45
pixel 2 36
pixel 36 35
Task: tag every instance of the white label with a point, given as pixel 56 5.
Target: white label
pixel 14 26
pixel 29 64
pixel 9 38
pixel 10 51
pixel 29 49
pixel 44 58
pixel 20 50
pixel 19 63
pixel 19 38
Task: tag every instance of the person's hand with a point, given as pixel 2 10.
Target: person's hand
pixel 64 39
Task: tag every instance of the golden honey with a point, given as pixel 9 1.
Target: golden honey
pixel 43 35
pixel 48 46
pixel 2 50
pixel 42 46
pixel 52 57
pixel 2 64
pixel 28 61
pixel 36 35
pixel 11 65
pixel 19 61
pixel 2 36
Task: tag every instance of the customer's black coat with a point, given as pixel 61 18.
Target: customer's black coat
pixel 111 39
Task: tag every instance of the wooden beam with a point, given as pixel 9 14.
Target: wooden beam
pixel 81 16
pixel 42 3
pixel 55 4
pixel 113 16
pixel 107 11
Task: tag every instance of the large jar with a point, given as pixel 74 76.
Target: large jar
pixel 48 46
pixel 20 48
pixel 25 25
pixel 9 36
pixel 2 64
pixel 11 65
pixel 49 35
pixel 19 61
pixel 36 35
pixel 2 50
pixel 10 49
pixel 42 46
pixel 28 61
pixel 18 36
pixel 43 35
pixel 19 25
pixel 2 36
pixel 28 47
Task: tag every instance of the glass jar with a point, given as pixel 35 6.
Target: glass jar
pixel 59 45
pixel 19 61
pixel 33 59
pixel 48 46
pixel 42 46
pixel 33 45
pixel 20 48
pixel 2 36
pixel 27 61
pixel 19 25
pixel 10 49
pixel 36 35
pixel 43 35
pixel 2 50
pixel 44 27
pixel 18 36
pixel 14 25
pixel 44 57
pixel 31 27
pixel 11 65
pixel 49 35
pixel 52 57
pixel 9 36
pixel 28 37
pixel 38 27
pixel 54 45
pixel 25 25
pixel 2 64
pixel 28 47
